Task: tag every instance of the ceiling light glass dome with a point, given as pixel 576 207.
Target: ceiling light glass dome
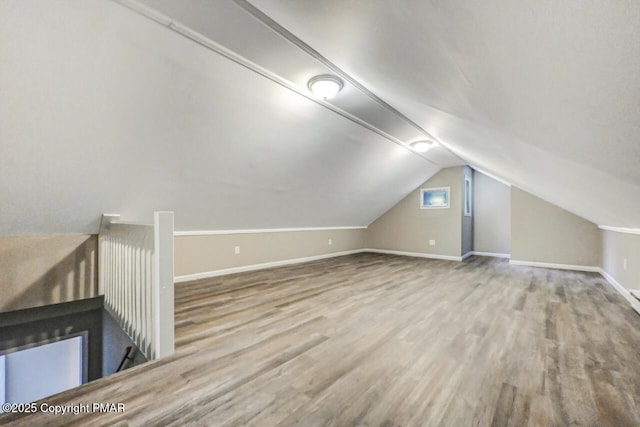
pixel 325 86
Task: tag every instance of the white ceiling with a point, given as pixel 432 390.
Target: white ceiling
pixel 544 94
pixel 104 109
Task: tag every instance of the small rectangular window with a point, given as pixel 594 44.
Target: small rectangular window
pixel 434 198
pixel 467 196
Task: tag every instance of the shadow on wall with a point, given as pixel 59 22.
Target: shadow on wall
pixel 42 270
pixel 38 325
pixel 114 346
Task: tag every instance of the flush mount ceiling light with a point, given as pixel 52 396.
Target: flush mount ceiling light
pixel 421 146
pixel 325 86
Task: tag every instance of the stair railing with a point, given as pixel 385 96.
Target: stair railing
pixel 135 272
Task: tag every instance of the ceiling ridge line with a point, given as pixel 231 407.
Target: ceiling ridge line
pixel 211 45
pixel 295 40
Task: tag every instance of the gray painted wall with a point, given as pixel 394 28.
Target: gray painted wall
pixel 542 232
pixel 492 215
pixel 114 344
pixel 616 247
pixel 406 227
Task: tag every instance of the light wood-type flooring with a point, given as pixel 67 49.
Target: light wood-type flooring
pixel 380 340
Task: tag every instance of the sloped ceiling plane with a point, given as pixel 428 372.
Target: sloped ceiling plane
pixel 202 107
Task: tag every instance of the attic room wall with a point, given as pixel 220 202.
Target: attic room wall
pixel 105 110
pixel 407 228
pixel 200 254
pixel 491 215
pixel 616 247
pixel 41 270
pixel 542 232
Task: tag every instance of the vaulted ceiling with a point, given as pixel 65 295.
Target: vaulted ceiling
pixel 201 107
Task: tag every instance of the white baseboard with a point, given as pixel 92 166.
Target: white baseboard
pixel 414 254
pixel 244 268
pixel 556 266
pixel 635 304
pixel 253 267
pixel 436 256
pixel 491 254
pixel 621 290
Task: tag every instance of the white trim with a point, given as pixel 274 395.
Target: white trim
pixel 162 281
pixel 414 254
pixel 263 230
pixel 620 229
pixel 557 266
pixel 491 254
pixel 635 293
pixel 106 220
pixel 507 183
pixel 467 255
pixel 635 304
pixel 253 267
pixel 244 268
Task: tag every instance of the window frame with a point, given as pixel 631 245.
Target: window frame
pixel 447 191
pixel 467 206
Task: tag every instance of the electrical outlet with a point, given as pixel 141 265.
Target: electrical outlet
pixel 237 250
pixel 624 263
pixel 330 242
pixel 432 242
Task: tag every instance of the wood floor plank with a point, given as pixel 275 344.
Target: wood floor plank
pixel 373 339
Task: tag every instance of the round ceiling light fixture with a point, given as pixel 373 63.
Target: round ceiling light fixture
pixel 421 146
pixel 325 86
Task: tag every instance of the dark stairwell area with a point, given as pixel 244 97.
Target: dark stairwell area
pixel 49 295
